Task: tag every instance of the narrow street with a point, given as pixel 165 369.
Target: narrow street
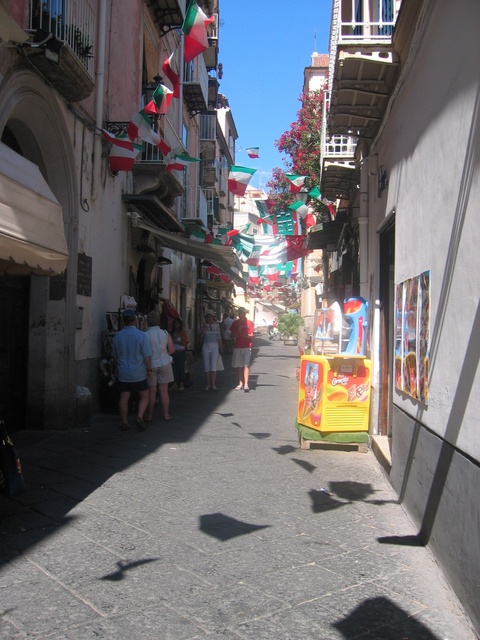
pixel 214 525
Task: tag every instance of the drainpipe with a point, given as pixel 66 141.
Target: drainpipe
pixel 363 228
pixel 99 87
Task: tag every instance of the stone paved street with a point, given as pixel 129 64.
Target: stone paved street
pixel 214 525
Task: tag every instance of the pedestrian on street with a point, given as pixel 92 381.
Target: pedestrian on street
pixel 242 335
pixel 161 372
pixel 226 328
pixel 180 342
pixel 132 353
pixel 211 339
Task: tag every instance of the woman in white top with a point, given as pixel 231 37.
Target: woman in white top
pixel 211 338
pixel 162 373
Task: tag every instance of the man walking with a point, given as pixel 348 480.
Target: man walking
pixel 132 352
pixel 242 334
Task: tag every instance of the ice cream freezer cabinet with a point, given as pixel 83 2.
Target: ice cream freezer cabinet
pixel 334 392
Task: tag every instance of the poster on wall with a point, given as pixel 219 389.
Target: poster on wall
pixel 412 326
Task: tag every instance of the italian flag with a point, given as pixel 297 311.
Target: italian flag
pixel 297 182
pixel 253 275
pixel 161 99
pixel 254 257
pixel 180 162
pixel 299 207
pixel 310 220
pixel 117 142
pixel 272 273
pixel 122 159
pixel 172 75
pixel 315 193
pixel 141 127
pixel 252 152
pixel 238 179
pixel 195 29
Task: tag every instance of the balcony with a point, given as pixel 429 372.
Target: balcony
pixel 208 136
pixel 339 168
pixel 363 65
pixel 167 14
pixel 195 86
pixel 154 190
pixel 211 54
pixel 62 43
pixel 210 174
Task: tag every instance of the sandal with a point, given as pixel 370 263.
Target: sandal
pixel 239 387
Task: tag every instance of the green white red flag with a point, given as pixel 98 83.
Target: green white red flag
pixel 126 143
pixel 252 152
pixel 238 179
pixel 316 194
pixel 122 159
pixel 300 207
pixel 140 127
pixel 253 275
pixel 161 99
pixel 195 29
pixel 172 75
pixel 180 162
pixel 296 182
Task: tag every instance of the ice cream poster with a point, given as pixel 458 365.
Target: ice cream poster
pixel 412 332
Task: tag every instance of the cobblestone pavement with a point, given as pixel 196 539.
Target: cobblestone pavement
pixel 213 525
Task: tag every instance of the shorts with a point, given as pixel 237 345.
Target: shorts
pixel 133 387
pixel 241 357
pixel 160 375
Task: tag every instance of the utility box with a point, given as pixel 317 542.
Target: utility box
pixel 334 392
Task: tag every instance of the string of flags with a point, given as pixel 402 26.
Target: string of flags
pixel 124 149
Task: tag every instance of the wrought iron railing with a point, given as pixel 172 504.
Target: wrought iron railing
pixel 71 21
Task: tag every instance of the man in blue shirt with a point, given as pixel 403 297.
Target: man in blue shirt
pixel 132 352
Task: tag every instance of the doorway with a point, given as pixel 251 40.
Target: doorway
pixel 387 326
pixel 14 314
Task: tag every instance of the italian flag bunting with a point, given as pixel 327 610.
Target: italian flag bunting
pixel 254 257
pixel 316 194
pixel 181 161
pixel 238 179
pixel 296 182
pixel 122 159
pixel 172 75
pixel 253 275
pixel 118 142
pixel 140 127
pixel 300 208
pixel 195 29
pixel 161 99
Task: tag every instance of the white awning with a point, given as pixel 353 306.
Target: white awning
pixel 221 256
pixel 32 237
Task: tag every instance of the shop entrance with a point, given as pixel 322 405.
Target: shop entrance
pixel 387 326
pixel 14 314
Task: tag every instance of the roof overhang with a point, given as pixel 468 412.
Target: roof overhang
pixel 32 236
pixel 364 77
pixel 221 256
pixel 150 207
pixel 326 238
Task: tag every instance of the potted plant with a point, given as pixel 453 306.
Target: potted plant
pixel 289 326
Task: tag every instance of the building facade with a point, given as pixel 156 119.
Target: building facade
pixel 404 89
pixel 81 238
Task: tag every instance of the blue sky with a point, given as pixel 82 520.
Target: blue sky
pixel 264 49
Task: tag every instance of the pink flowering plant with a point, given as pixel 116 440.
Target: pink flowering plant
pixel 301 144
